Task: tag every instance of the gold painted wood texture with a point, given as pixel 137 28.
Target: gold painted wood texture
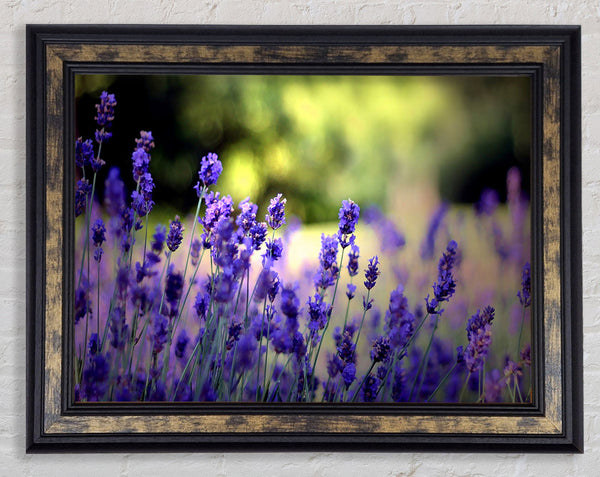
pixel 56 55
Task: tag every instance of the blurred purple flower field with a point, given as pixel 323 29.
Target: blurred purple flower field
pixel 234 303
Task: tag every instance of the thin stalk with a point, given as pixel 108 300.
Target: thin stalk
pixel 362 321
pixel 260 347
pixel 267 354
pixel 520 333
pixel 464 388
pixel 98 303
pixel 329 320
pixel 363 381
pixel 441 383
pixel 423 366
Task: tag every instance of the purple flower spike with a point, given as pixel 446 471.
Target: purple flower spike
pixel 371 273
pixel 210 170
pixel 381 349
pixel 353 260
pixel 105 114
pixel 349 374
pixel 81 192
pixel 114 192
pixel 350 291
pixel 399 321
pixel 98 233
pixel 84 152
pixel 145 141
pixel 479 334
pixel 348 215
pixel 445 286
pixel 141 161
pixel 525 293
pixel 175 234
pixel 488 203
pixel 273 252
pixel 276 216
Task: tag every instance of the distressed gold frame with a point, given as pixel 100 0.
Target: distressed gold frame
pixel 549 55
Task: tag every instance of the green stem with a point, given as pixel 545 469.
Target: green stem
pixel 363 381
pixel 464 388
pixel 441 383
pixel 424 363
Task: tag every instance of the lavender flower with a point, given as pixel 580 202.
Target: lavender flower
pixel 114 193
pixel 428 244
pixel 351 289
pixel 258 233
pixel 175 236
pixel 210 170
pixel 173 289
pixel 525 293
pixel 247 217
pixel 319 313
pixel 345 346
pixel 289 302
pixel 83 304
pixel 98 233
pixel 105 114
pixel 369 388
pixel 265 282
pixel 224 287
pixel 371 273
pixel 202 305
pixel 348 215
pixel 479 334
pixel 84 152
pixel 444 287
pixel 157 245
pixel 276 212
pixel 141 162
pixel 95 377
pixel 195 251
pixel 399 321
pixel 512 372
pixel 98 237
pixel 159 333
pixel 488 203
pixel 274 249
pixel 145 141
pixel 217 207
pixel 381 349
pixel 246 352
pixel 349 374
pixel 118 328
pixel 328 270
pixel 353 260
pixel 390 237
pixel 181 344
pixel 81 195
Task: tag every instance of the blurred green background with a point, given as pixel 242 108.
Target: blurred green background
pixel 400 141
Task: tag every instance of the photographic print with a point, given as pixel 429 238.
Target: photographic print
pixel 284 238
pixel 302 239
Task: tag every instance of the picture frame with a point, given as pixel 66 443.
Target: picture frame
pixel 549 55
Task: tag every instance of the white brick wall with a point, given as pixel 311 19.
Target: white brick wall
pixel 14 14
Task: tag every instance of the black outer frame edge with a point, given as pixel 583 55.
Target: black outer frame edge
pixel 35 227
pixel 252 442
pixel 302 34
pixel 571 238
pixel 37 441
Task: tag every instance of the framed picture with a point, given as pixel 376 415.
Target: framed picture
pixel 281 238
